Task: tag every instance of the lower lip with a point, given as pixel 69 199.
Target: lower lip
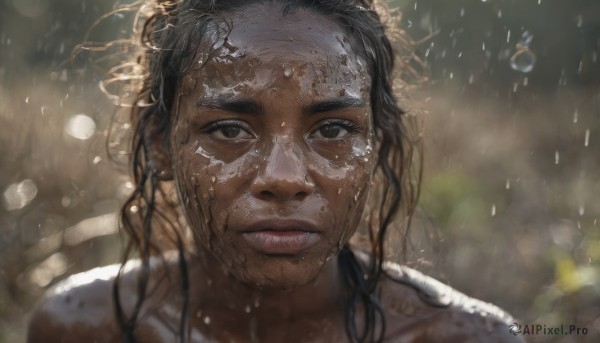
pixel 281 242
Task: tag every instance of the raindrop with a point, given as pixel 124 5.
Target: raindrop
pixel 581 210
pixel 80 126
pixel 19 195
pixel 27 100
pixel 525 81
pixel 507 184
pixel 207 320
pixel 213 179
pixel 471 79
pixel 556 157
pixel 493 210
pixel 508 36
pixel 587 138
pixel 451 76
pixel 247 309
pixel 462 12
pixel 575 116
pixel 65 201
pixel 523 59
pixel 579 20
pixel 499 13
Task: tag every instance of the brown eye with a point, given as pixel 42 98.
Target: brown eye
pixel 229 130
pixel 330 131
pixel 334 130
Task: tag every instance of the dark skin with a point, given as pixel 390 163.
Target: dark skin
pixel 272 155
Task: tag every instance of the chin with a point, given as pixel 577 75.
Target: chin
pixel 279 272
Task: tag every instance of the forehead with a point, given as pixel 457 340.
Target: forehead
pixel 266 46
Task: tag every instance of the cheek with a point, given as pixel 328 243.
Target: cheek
pixel 209 187
pixel 344 183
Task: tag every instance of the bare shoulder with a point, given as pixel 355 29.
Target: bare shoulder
pixel 78 309
pixel 424 309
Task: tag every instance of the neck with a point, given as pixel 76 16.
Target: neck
pixel 227 302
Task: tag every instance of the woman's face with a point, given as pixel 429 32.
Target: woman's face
pixel 271 146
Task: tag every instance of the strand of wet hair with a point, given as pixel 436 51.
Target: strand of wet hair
pixel 354 277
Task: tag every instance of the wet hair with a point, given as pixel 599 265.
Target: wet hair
pixel 169 37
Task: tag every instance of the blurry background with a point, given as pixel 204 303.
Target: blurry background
pixel 512 161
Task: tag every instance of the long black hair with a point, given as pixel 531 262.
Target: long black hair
pixel 170 33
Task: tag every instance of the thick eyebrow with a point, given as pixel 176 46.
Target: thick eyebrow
pixel 333 105
pixel 245 106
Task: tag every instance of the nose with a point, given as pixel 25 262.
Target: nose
pixel 283 175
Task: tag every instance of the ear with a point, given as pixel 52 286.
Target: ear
pixel 157 149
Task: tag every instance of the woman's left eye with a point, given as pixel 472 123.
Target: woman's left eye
pixel 334 130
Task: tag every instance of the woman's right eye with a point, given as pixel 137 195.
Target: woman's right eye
pixel 229 130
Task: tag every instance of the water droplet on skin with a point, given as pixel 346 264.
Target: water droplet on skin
pixel 256 302
pixel 207 320
pixel 65 201
pixel 556 157
pixel 133 209
pixel 287 71
pixel 97 160
pixel 587 138
pixel 282 124
pixel 339 191
pixel 213 179
pixel 211 192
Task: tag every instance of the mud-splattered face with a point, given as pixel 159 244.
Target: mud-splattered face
pixel 272 148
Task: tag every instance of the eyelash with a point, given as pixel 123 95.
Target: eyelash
pixel 226 124
pixel 344 124
pixel 347 125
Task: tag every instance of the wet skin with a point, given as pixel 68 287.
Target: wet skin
pixel 271 148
